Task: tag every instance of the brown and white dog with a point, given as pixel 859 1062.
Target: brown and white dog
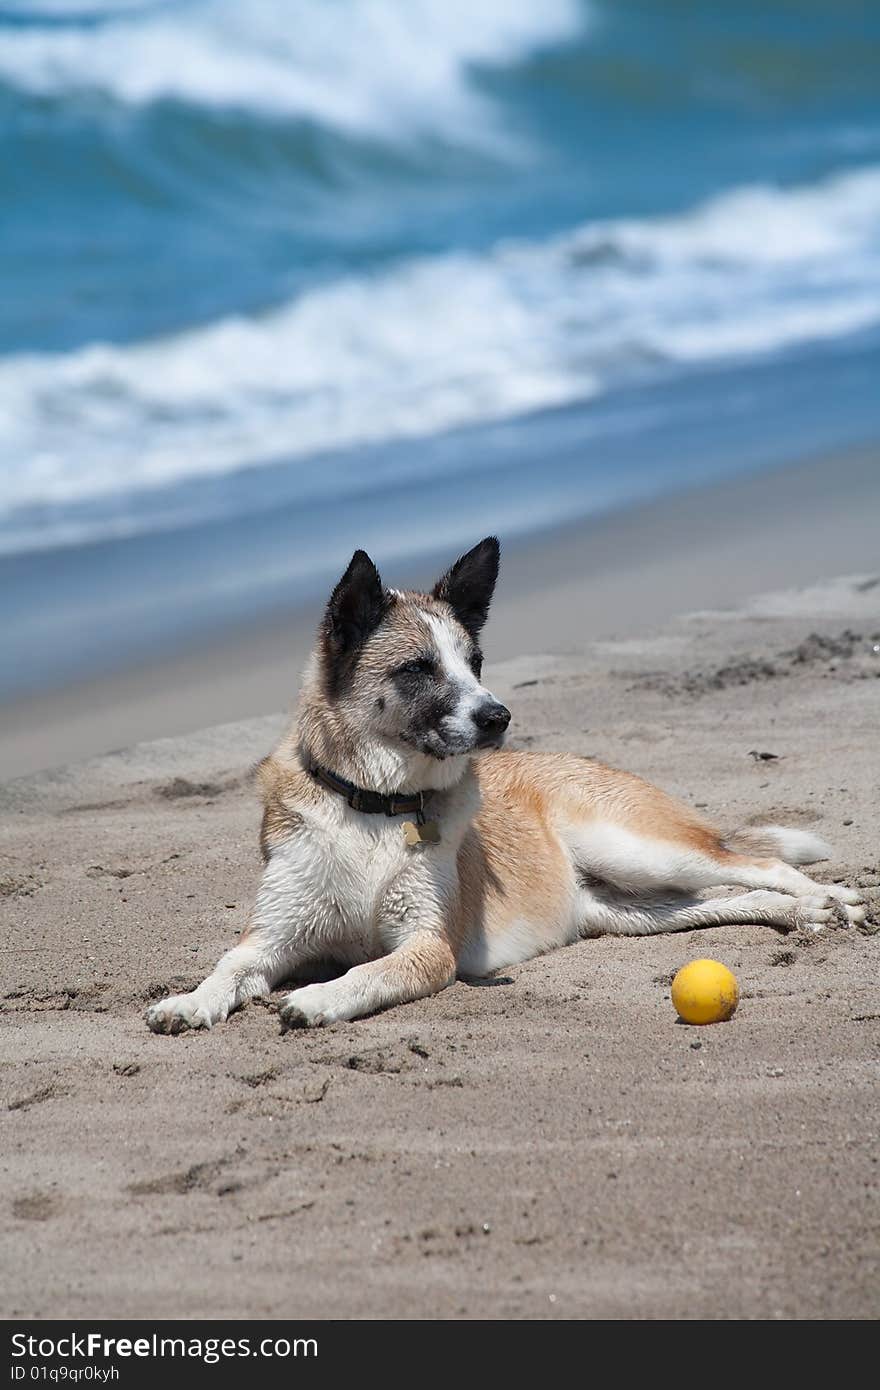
pixel 502 855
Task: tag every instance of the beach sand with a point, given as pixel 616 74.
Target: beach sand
pixel 614 574
pixel 550 1143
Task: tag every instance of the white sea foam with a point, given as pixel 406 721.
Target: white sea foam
pixel 761 226
pixel 386 67
pixel 439 342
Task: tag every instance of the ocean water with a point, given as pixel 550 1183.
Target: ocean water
pixel 313 259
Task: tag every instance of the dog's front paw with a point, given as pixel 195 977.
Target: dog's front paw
pixel 178 1012
pixel 312 1006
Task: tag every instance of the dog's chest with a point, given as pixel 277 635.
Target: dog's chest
pixel 349 871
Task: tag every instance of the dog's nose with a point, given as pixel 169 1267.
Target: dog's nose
pixel 492 718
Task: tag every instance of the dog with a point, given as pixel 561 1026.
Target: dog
pixel 403 843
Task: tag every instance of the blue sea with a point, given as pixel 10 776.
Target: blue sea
pixel 283 277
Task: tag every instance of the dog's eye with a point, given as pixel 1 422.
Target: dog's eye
pixel 476 664
pixel 422 666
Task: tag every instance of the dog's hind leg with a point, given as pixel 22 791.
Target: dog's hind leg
pixel 617 916
pixel 746 872
pixel 647 866
pixel 423 964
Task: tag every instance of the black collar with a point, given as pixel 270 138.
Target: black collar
pixel 372 803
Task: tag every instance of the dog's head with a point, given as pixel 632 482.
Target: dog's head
pixel 404 668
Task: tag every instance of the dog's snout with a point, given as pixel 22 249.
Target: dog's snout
pixel 492 718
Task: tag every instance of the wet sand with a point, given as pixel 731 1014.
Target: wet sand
pixel 618 574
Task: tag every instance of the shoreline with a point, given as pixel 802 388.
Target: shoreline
pixel 244 549
pixel 617 573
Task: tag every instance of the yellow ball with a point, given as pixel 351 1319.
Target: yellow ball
pixel 704 991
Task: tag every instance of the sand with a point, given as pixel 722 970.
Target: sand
pixel 548 1144
pixel 612 574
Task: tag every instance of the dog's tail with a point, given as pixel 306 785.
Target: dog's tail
pixel 780 842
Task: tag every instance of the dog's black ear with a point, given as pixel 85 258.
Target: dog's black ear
pixel 356 607
pixel 469 585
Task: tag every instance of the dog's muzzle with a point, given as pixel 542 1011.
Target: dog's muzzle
pixel 491 720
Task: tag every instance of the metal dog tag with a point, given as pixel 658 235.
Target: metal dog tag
pixel 427 834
